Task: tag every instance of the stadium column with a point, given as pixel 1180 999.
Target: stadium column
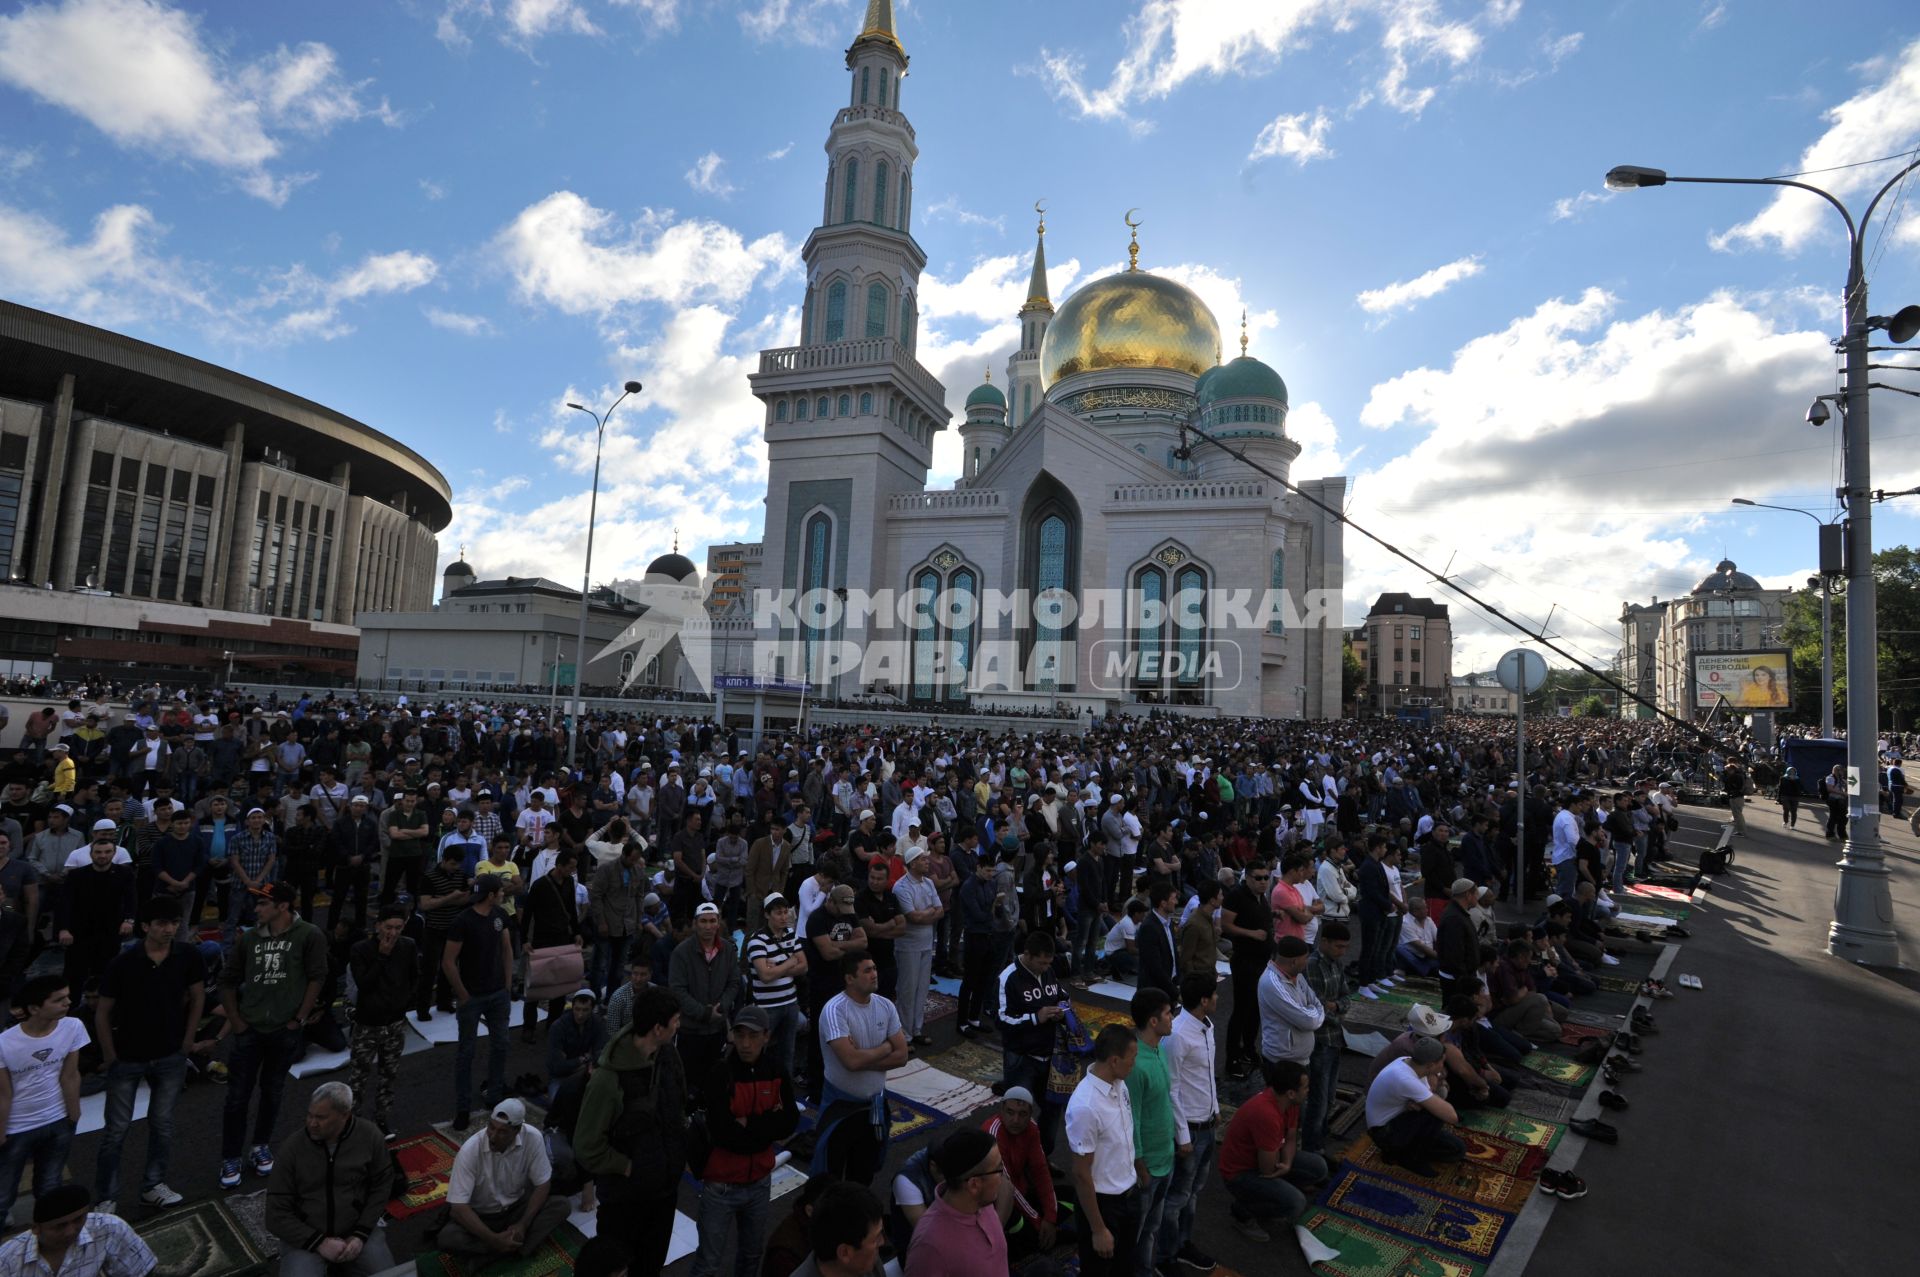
pixel 222 544
pixel 56 479
pixel 244 479
pixel 339 608
pixel 68 571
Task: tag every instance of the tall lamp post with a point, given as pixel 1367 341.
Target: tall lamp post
pixel 1862 927
pixel 600 420
pixel 1824 584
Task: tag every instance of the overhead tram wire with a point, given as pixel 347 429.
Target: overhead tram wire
pixel 1480 603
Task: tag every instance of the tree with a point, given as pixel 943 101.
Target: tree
pixel 1352 673
pixel 1896 579
pixel 1595 706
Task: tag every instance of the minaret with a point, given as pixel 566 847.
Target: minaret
pixel 1023 369
pixel 850 416
pixel 984 432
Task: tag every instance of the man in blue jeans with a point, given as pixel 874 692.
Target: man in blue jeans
pixel 1327 977
pixel 477 961
pixel 269 991
pixel 1191 1057
pixel 39 1088
pixel 1270 1177
pixel 151 996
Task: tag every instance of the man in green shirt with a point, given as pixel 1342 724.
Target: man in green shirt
pixel 1157 1129
pixel 409 833
pixel 268 989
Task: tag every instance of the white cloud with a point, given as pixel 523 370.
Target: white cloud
pixel 779 153
pixel 1712 15
pixel 1406 293
pixel 140 73
pixel 433 190
pixel 456 322
pixel 951 207
pixel 1879 120
pixel 1574 205
pixel 566 253
pixel 808 22
pixel 112 277
pixel 1172 41
pixel 529 20
pixel 1299 138
pixel 705 176
pixel 1310 426
pixel 15 160
pixel 660 15
pixel 1573 442
pixel 321 301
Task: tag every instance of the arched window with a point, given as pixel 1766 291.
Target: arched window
pixel 849 211
pixel 1148 620
pixel 846 405
pixel 876 309
pixel 823 407
pixel 780 410
pixel 976 460
pixel 1189 620
pixel 866 404
pixel 906 322
pixel 799 410
pixel 959 622
pixel 903 201
pixel 866 74
pixel 885 76
pixel 880 194
pixel 926 634
pixel 1026 401
pixel 836 310
pixel 1279 582
pixel 1052 559
pixel 817 542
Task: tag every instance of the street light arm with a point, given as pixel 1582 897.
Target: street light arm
pixel 1790 509
pixel 1783 181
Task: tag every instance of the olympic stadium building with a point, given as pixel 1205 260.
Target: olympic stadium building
pixel 172 518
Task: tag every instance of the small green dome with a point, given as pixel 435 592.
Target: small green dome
pixel 1244 378
pixel 987 395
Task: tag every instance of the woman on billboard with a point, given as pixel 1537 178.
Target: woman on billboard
pixel 1762 688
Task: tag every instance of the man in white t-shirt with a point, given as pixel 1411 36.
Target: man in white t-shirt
pixel 1408 1114
pixel 40 1062
pixel 1419 936
pixel 499 1191
pixel 860 1039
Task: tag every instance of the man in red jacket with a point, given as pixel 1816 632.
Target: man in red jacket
pixel 1036 1220
pixel 749 1106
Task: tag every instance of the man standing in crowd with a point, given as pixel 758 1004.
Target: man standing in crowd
pixel 705 976
pixel 1158 1131
pixel 329 1190
pixel 860 1039
pixel 1107 1176
pixel 776 965
pixel 1290 1012
pixel 408 829
pixel 1327 977
pixel 919 900
pixel 1246 920
pixel 833 935
pixel 447 889
pixel 1031 1004
pixel 151 996
pixel 269 990
pixel 93 915
pixel 632 1132
pixel 39 1088
pixel 477 961
pixel 749 1106
pixel 613 896
pixel 386 973
pixel 356 845
pixel 1189 1054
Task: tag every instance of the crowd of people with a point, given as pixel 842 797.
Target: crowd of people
pixel 725 933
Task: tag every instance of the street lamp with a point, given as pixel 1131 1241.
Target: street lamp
pixel 600 420
pixel 1862 927
pixel 1825 586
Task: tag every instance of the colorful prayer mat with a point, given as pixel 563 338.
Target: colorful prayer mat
pixel 1369 1252
pixel 1096 1017
pixel 555 1256
pixel 911 1118
pixel 1577 1035
pixel 1617 983
pixel 940 1006
pixel 975 1061
pixel 427 1159
pixel 202 1239
pixel 1517 1127
pixel 1548 1105
pixel 1406 996
pixel 1558 1068
pixel 1496 1173
pixel 1419 1213
pixel 1669 895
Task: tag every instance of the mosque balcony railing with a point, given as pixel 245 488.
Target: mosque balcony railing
pixel 868 352
pixel 878 114
pixel 948 502
pixel 1135 494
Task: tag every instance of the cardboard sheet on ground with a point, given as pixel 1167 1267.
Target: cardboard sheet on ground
pixel 316 1062
pixel 1643 919
pixel 1316 1251
pixel 1113 989
pixel 93 1109
pixel 920 1082
pixel 686 1233
pixel 1367 1044
pixel 445 1026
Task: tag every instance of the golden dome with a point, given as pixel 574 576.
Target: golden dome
pixel 1130 320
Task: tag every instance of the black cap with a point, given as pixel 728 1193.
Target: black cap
pixel 1290 947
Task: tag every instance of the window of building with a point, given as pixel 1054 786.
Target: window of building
pixel 823 407
pixel 1413 631
pixel 13 478
pixel 866 76
pixel 866 404
pixel 836 311
pixel 1278 581
pixel 1398 631
pixel 876 309
pixel 816 574
pixel 800 410
pixel 780 410
pixel 926 633
pixel 846 405
pixel 880 194
pixel 848 209
pixel 1747 607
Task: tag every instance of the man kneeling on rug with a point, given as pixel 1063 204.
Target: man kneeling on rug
pixel 1408 1114
pixel 499 1191
pixel 329 1190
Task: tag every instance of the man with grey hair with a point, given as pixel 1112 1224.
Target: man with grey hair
pixel 328 1191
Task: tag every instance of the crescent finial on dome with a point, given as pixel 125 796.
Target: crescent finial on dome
pixel 1133 246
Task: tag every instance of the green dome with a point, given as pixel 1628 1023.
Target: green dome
pixel 986 394
pixel 1244 378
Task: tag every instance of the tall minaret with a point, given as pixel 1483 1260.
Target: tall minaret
pixel 1023 369
pixel 850 416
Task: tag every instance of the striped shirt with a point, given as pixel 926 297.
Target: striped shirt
pixel 764 944
pixel 107 1247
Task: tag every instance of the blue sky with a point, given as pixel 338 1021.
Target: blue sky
pixel 449 217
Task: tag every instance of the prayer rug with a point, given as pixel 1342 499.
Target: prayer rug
pixel 1363 1014
pixel 1368 1252
pixel 1419 1213
pixel 1577 1035
pixel 427 1159
pixel 1559 1068
pixel 911 1118
pixel 940 1006
pixel 202 1239
pixel 1545 1104
pixel 1593 1019
pixel 1096 1017
pixel 1617 983
pixel 1516 1127
pixel 937 1089
pixel 1404 996
pixel 1496 1173
pixel 975 1061
pixel 554 1258
pixel 251 1210
pixel 1669 895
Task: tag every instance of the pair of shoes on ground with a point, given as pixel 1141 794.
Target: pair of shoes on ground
pixel 1186 1260
pixel 1562 1184
pixel 1595 1129
pixel 262 1165
pixel 159 1196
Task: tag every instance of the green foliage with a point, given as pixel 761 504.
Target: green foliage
pixel 1594 706
pixel 1896 575
pixel 1352 674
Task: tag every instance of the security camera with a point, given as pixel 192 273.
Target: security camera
pixel 1818 415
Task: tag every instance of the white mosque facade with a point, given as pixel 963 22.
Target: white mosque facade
pixel 1079 487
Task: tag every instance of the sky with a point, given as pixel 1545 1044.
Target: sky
pixel 449 218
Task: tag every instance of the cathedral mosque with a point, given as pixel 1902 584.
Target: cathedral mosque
pixel 1078 480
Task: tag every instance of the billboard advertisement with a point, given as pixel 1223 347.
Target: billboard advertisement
pixel 1743 680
